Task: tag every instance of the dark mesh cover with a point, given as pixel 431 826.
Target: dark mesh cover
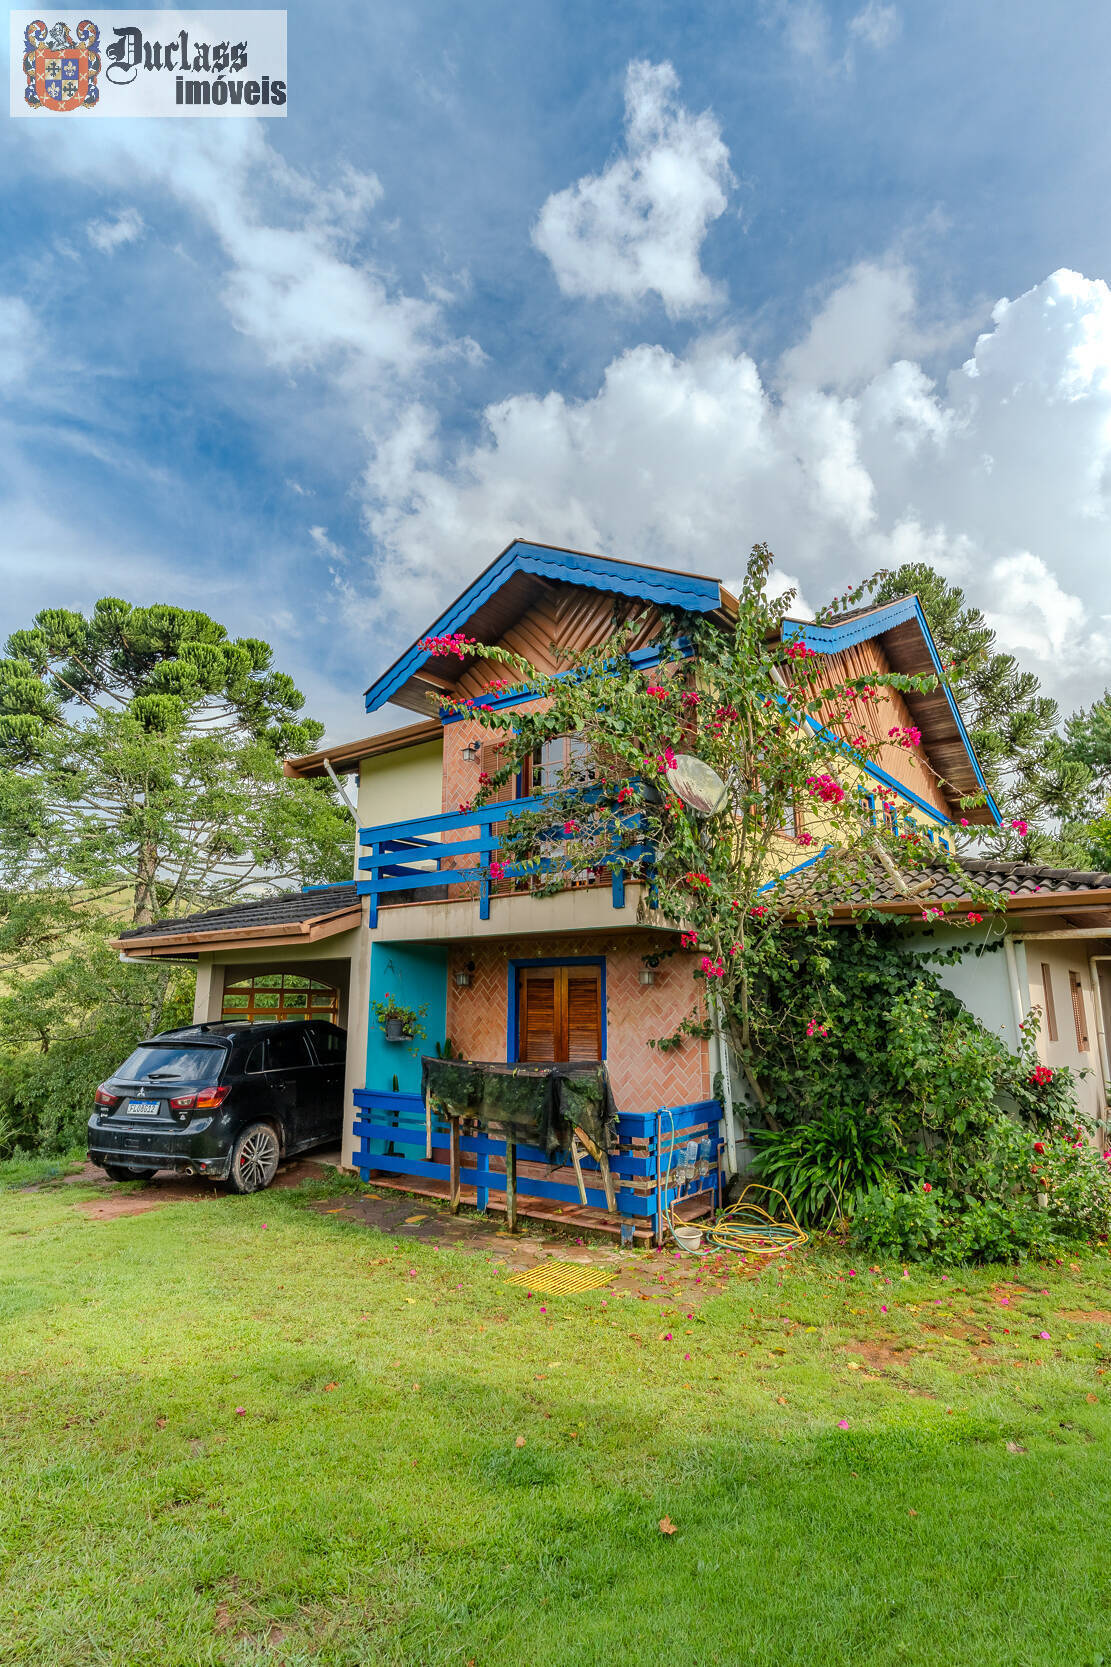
pixel 534 1105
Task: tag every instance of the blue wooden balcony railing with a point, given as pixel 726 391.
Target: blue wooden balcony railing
pixel 414 856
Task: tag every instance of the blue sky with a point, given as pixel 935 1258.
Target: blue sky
pixel 661 281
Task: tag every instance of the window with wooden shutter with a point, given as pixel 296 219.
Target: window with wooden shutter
pixel 1047 997
pixel 559 1014
pixel 1076 990
pixel 491 758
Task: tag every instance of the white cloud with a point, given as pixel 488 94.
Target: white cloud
pixel 325 546
pixel 867 321
pixel 637 228
pixel 110 235
pixel 1000 477
pixel 16 334
pixel 812 37
pixel 876 25
pixel 292 279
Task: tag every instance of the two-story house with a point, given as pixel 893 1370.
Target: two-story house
pixel 508 975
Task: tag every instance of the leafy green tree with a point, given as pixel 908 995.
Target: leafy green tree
pixel 140 775
pixel 143 751
pixel 1012 725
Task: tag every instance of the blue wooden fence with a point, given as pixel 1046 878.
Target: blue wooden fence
pixel 390 1130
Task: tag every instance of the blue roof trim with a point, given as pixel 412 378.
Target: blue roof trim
pixel 831 639
pixel 798 868
pixel 677 590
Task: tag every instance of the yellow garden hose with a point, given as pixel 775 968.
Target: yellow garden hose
pixel 745 1226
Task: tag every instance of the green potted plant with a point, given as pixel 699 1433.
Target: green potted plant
pixel 399 1023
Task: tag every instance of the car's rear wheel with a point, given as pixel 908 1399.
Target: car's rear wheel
pixel 124 1172
pixel 254 1158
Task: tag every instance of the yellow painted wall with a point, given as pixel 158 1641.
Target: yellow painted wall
pixel 401 785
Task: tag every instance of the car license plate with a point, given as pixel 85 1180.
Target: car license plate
pixel 142 1108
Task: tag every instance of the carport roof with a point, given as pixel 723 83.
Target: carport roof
pixel 290 917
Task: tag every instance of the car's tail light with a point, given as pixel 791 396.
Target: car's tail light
pixel 108 1101
pixel 206 1099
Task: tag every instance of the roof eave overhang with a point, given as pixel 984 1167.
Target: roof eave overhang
pixel 1061 902
pixel 351 754
pixel 174 945
pixel 693 592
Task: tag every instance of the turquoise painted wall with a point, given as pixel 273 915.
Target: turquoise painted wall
pixel 413 974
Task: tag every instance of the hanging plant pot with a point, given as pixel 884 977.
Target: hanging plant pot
pixel 396 1031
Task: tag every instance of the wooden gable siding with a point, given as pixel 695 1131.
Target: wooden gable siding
pixel 916 767
pixel 573 617
pixel 934 717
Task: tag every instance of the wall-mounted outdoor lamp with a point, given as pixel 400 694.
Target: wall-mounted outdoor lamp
pixel 647 975
pixel 470 752
pixel 463 976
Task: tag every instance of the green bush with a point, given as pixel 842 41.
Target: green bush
pixel 826 1166
pixel 913 1226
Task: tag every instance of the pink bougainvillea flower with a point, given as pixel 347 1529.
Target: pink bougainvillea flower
pixel 842 1423
pixel 445 645
pixel 625 795
pixel 975 920
pixel 240 1412
pixel 570 828
pixel 964 821
pixel 497 872
pixel 1020 826
pixel 713 969
pixel 1044 1335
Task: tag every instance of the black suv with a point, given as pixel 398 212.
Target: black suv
pixel 224 1100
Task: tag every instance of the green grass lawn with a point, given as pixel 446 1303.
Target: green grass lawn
pixel 930 1483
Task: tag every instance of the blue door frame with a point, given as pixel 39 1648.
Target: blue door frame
pixel 512 1039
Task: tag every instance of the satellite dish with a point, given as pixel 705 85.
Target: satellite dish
pixel 697 785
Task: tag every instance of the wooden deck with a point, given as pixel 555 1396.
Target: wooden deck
pixel 581 1217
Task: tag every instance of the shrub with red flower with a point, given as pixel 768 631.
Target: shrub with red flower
pixel 905 735
pixel 975 920
pixel 798 650
pixel 1040 1076
pixel 497 872
pixel 697 879
pixel 816 1029
pixel 624 795
pixel 689 940
pixel 713 969
pixel 658 690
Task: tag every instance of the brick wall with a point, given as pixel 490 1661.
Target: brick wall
pixel 642 1077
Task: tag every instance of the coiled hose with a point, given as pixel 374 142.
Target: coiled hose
pixel 745 1226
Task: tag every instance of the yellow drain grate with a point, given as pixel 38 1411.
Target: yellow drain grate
pixel 562 1278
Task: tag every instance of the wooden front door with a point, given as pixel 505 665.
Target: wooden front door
pixel 559 1014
